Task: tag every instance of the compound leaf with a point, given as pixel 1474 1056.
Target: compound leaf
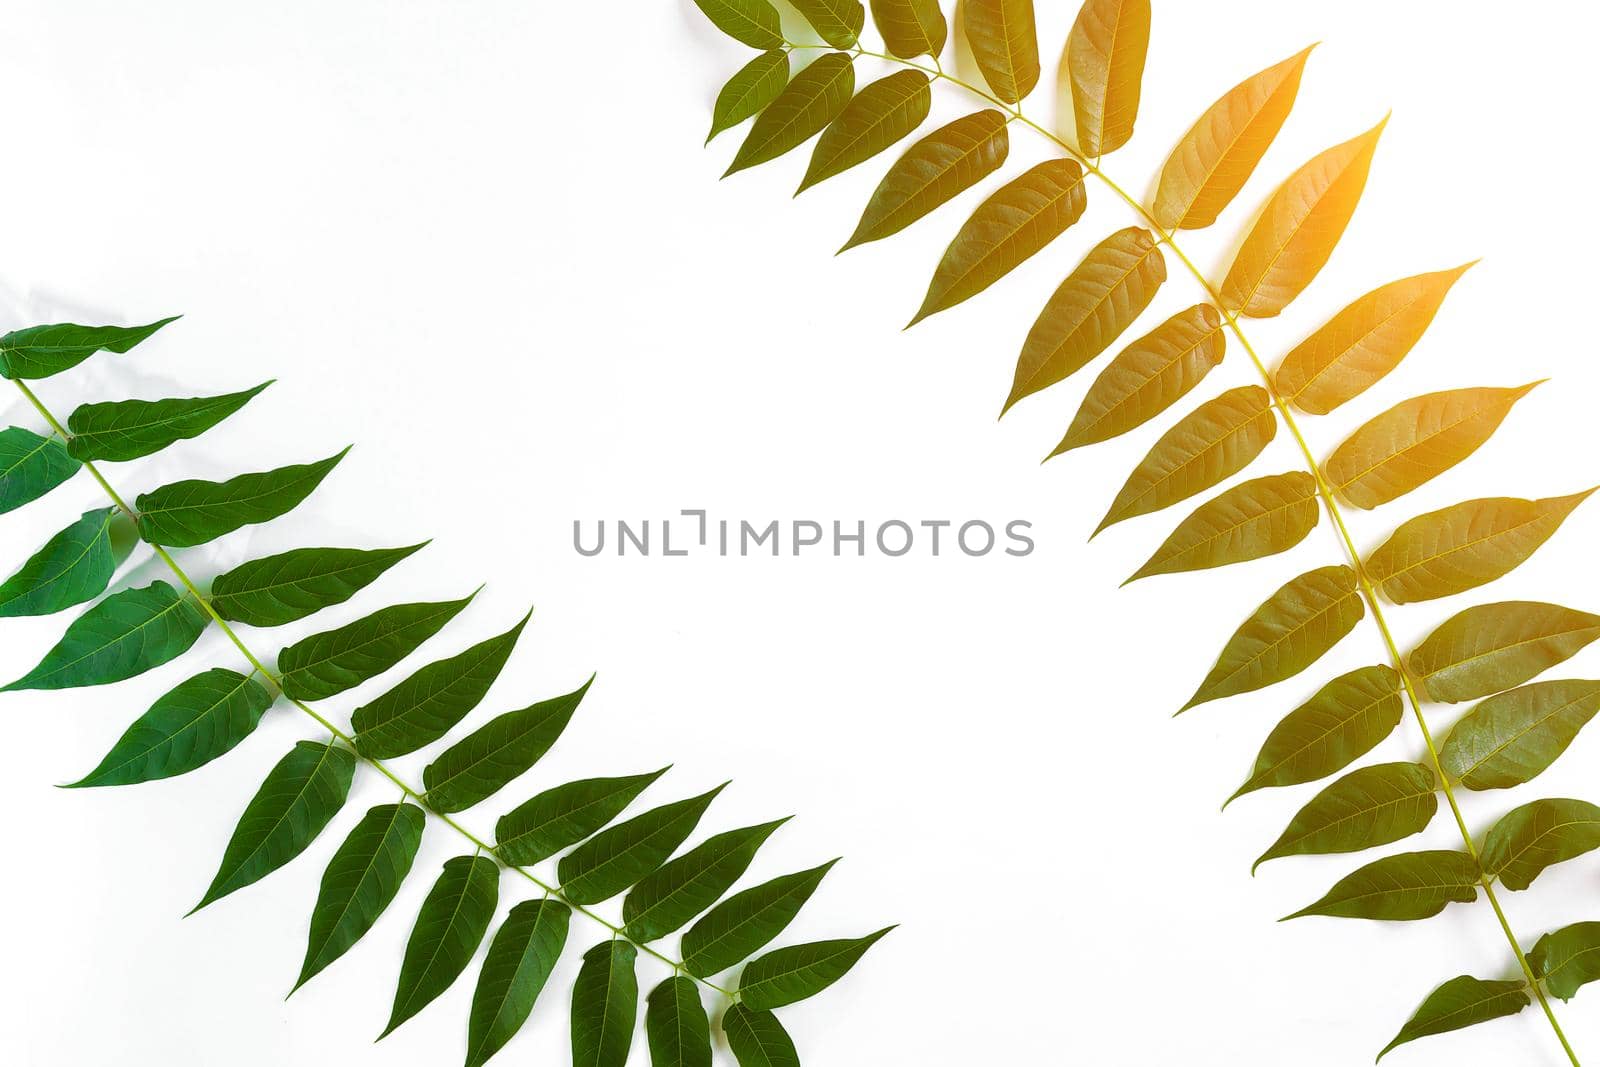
pixel 911 28
pixel 1298 229
pixel 1492 647
pixel 40 351
pixel 72 568
pixel 301 795
pixel 796 972
pixel 193 512
pixel 130 429
pixel 615 859
pixel 328 663
pixel 1001 36
pixel 758 1039
pixel 1459 1003
pixel 1567 959
pixel 449 928
pixel 1261 517
pixel 1513 736
pixel 884 112
pixel 684 887
pixel 605 1006
pixel 560 817
pixel 521 956
pixel 811 100
pixel 1368 807
pixel 675 1023
pixel 1018 220
pixel 187 727
pixel 1410 885
pixel 747 921
pixel 837 22
pixel 1539 834
pixel 1103 65
pixel 293 585
pixel 30 466
pixel 123 635
pixel 752 87
pixel 1291 630
pixel 751 22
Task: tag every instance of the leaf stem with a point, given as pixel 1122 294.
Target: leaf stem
pixel 1369 593
pixel 343 736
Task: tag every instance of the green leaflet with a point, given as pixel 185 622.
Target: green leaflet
pixel 452 922
pixel 30 466
pixel 1409 885
pixel 1343 722
pixel 40 351
pixel 1261 517
pixel 686 886
pixel 293 585
pixel 1567 959
pixel 786 975
pixel 73 567
pixel 605 1004
pixel 758 1039
pixel 426 705
pixel 300 796
pixel 521 956
pixel 1461 1002
pixel 1537 835
pixel 193 512
pixel 1513 736
pixel 1492 647
pixel 1000 34
pixel 751 22
pixel 360 882
pixel 911 28
pixel 747 921
pixel 328 663
pixel 123 635
pixel 811 100
pixel 1368 807
pixel 502 749
pixel 560 817
pixel 191 725
pixel 129 429
pixel 615 859
pixel 1291 630
pixel 752 87
pixel 948 161
pixel 884 112
pixel 836 21
pixel 676 1025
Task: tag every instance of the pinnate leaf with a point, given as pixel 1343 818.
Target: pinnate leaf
pixel 1021 217
pixel 187 727
pixel 747 921
pixel 811 100
pixel 1410 885
pixel 1217 156
pixel 328 663
pixel 1089 310
pixel 73 567
pixel 1538 835
pixel 454 917
pixel 615 859
pixel 605 1005
pixel 1368 807
pixel 1513 736
pixel 1297 231
pixel 293 585
pixel 1148 377
pixel 360 882
pixel 193 512
pixel 301 795
pixel 425 706
pixel 911 28
pixel 502 749
pixel 758 1039
pixel 933 171
pixel 684 887
pixel 1001 36
pixel 563 816
pixel 884 112
pixel 1492 647
pixel 122 636
pixel 838 22
pixel 40 351
pixel 30 466
pixel 1461 1002
pixel 751 22
pixel 1261 517
pixel 1291 630
pixel 796 972
pixel 1567 959
pixel 676 1025
pixel 1103 65
pixel 129 429
pixel 1415 441
pixel 752 87
pixel 1465 545
pixel 1343 722
pixel 521 956
pixel 1362 343
pixel 1210 444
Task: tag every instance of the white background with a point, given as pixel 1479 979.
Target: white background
pixel 483 241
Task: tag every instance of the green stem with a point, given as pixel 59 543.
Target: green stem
pixel 343 736
pixel 1369 593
